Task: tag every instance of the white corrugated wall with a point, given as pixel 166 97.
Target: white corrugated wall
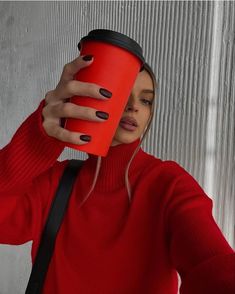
pixel 190 46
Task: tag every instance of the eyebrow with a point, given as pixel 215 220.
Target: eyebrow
pixel 147 91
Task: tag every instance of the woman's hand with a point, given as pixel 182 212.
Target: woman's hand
pixel 57 108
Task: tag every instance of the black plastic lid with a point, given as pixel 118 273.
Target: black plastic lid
pixel 115 38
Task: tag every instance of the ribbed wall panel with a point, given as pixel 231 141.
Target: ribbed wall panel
pixel 190 46
pixel 224 189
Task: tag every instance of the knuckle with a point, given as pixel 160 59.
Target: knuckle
pixel 71 86
pixel 44 125
pixel 66 67
pixel 49 96
pixel 45 111
pixel 53 110
pixel 66 109
pixel 48 129
pixel 57 133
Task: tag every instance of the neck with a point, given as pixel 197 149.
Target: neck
pixel 113 166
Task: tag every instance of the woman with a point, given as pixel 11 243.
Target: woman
pixel 133 220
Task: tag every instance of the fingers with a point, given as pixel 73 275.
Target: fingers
pixel 63 135
pixel 71 110
pixel 56 109
pixel 52 114
pixel 71 68
pixel 68 87
pixel 78 88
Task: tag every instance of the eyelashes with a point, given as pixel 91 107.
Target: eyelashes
pixel 144 101
pixel 147 102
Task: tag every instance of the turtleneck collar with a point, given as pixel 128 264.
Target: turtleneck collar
pixel 113 166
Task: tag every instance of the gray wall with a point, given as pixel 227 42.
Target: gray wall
pixel 191 47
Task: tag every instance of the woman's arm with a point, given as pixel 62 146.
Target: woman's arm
pixel 24 163
pixel 30 152
pixel 23 212
pixel 29 160
pixel 198 249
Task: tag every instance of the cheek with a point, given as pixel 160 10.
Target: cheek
pixel 146 117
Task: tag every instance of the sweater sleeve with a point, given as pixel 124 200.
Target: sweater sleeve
pixel 29 153
pixel 198 249
pixel 24 162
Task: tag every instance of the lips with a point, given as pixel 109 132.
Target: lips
pixel 129 120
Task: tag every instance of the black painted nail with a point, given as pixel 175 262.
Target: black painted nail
pixel 87 57
pixel 101 114
pixel 85 138
pixel 105 93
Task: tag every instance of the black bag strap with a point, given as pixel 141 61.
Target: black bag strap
pixel 54 221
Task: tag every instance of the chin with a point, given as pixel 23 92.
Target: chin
pixel 124 138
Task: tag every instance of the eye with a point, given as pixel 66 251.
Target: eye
pixel 146 101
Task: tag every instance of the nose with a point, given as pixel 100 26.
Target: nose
pixel 131 106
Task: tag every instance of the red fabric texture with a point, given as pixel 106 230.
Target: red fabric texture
pixel 109 246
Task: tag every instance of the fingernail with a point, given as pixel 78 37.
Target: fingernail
pixel 85 138
pixel 101 114
pixel 87 57
pixel 105 93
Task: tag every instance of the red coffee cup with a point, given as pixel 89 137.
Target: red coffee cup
pixel 117 62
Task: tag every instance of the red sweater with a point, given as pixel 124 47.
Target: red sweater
pixel 108 246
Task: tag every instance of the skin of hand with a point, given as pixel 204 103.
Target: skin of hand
pixel 57 107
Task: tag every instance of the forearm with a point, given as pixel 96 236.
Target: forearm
pixel 216 275
pixel 198 248
pixel 29 153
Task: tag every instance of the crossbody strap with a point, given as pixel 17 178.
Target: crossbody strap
pixel 54 221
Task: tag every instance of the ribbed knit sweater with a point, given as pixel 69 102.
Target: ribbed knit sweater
pixel 108 245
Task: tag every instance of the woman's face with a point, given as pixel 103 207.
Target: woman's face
pixel 137 111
